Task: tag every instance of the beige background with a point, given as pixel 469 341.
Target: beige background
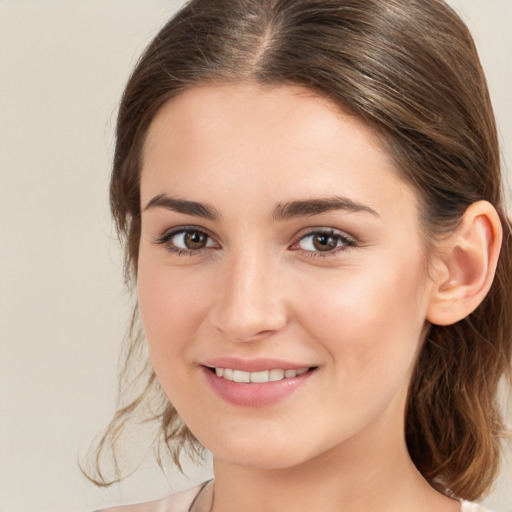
pixel 63 64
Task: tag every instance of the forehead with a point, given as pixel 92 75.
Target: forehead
pixel 210 109
pixel 254 141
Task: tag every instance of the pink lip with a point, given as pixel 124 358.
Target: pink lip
pixel 252 365
pixel 252 394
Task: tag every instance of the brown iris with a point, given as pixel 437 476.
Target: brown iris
pixel 195 239
pixel 324 242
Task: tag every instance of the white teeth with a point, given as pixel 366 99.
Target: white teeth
pixel 276 375
pixel 240 376
pixel 258 377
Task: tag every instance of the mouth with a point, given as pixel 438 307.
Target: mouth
pixel 256 382
pixel 258 388
pixel 260 377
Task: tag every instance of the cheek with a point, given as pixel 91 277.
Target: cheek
pixel 171 304
pixel 370 320
pixel 171 308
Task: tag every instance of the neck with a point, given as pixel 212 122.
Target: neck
pixel 357 476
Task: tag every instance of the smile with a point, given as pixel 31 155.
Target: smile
pixel 258 388
pixel 258 377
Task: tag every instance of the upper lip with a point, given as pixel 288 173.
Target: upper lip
pixel 253 365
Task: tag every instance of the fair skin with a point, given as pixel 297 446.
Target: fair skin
pixel 276 234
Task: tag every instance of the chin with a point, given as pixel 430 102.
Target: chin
pixel 261 458
pixel 265 452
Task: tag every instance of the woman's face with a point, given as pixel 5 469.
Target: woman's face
pixel 278 246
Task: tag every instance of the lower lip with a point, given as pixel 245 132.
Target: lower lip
pixel 252 394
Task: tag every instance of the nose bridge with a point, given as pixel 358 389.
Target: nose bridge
pixel 251 303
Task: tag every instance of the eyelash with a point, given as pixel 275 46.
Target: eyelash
pixel 347 242
pixel 166 237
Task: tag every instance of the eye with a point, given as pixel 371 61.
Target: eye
pixel 191 240
pixel 186 240
pixel 324 241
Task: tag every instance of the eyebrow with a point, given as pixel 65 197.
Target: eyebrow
pixel 312 207
pixel 286 211
pixel 183 206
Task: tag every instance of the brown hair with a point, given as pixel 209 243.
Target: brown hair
pixel 409 68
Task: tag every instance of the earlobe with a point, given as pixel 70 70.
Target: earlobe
pixel 465 267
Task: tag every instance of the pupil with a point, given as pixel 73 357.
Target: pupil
pixel 324 242
pixel 195 240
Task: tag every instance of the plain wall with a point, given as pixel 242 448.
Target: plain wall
pixel 63 64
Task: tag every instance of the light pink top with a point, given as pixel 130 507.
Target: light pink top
pixel 193 500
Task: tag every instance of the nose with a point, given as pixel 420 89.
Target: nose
pixel 250 303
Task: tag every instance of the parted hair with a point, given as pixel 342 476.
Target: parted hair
pixel 410 70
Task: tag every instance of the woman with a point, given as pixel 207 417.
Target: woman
pixel 310 197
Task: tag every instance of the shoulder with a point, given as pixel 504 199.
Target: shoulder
pixel 472 507
pixel 178 502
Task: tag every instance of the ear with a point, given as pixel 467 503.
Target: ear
pixel 465 265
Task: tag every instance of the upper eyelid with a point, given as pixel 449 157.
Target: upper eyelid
pixel 324 230
pixel 299 235
pixel 168 233
pixel 164 240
